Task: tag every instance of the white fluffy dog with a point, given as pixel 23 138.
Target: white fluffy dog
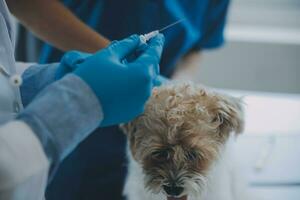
pixel 180 148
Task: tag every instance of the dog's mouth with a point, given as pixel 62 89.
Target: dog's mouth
pixel 177 198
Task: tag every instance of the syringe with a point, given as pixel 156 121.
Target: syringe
pixel 146 37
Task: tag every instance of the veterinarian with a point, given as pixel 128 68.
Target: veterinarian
pixel 65 102
pixel 97 170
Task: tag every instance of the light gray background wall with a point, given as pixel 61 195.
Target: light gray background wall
pixel 262 51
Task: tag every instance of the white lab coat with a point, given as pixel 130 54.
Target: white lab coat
pixel 23 163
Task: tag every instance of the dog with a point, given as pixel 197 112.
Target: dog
pixel 179 148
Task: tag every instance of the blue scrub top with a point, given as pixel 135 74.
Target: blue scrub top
pixel 116 19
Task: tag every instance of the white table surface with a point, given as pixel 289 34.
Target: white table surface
pixel 270 113
pixel 272 121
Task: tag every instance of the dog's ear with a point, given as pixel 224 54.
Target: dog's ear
pixel 130 129
pixel 230 115
pixel 125 128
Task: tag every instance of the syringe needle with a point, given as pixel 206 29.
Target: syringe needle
pixel 170 25
pixel 145 37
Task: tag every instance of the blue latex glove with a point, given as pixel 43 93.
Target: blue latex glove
pixel 69 63
pixel 71 59
pixel 160 80
pixel 122 85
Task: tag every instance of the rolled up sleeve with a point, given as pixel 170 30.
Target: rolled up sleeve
pixel 62 116
pixel 35 79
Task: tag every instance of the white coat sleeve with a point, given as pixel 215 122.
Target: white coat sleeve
pixel 21 67
pixel 23 163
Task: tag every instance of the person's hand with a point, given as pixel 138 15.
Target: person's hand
pixel 122 85
pixel 69 63
pixel 161 80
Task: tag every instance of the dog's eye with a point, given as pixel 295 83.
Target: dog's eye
pixel 191 155
pixel 161 155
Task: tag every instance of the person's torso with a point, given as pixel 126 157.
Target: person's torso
pixel 117 19
pixel 10 102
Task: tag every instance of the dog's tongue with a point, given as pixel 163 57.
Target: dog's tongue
pixel 179 198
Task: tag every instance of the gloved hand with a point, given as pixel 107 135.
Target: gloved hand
pixel 122 85
pixel 69 63
pixel 160 80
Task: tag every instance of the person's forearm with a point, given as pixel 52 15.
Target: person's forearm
pixel 62 116
pixel 188 67
pixel 35 79
pixel 53 22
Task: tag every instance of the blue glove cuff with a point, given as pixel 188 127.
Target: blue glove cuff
pixel 160 80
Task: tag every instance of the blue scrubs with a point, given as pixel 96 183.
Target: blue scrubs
pixel 116 19
pixel 96 170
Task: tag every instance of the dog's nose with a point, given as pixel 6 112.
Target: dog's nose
pixel 173 190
